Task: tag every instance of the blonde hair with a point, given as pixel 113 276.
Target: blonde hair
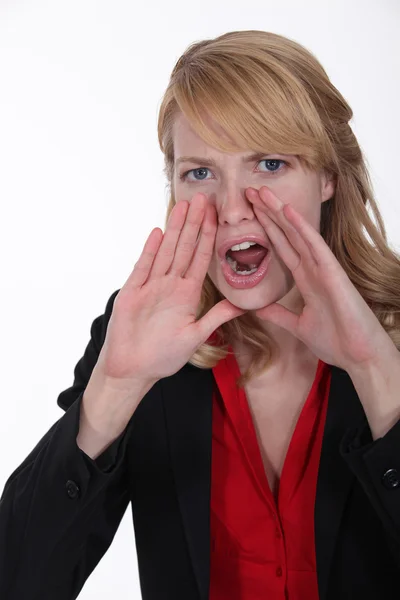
pixel 270 94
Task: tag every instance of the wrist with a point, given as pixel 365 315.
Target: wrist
pixel 110 403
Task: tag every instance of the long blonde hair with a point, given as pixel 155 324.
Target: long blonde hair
pixel 270 94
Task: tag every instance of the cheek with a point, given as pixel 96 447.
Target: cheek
pixel 212 268
pixel 305 200
pixel 178 191
pixel 182 191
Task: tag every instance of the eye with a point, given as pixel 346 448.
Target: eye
pixel 274 162
pixel 200 174
pixel 200 171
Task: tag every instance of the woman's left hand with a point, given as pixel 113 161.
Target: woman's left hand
pixel 336 323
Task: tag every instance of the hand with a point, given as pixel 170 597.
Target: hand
pixel 336 323
pixel 153 331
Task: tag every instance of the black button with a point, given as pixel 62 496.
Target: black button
pixel 391 479
pixel 355 444
pixel 72 489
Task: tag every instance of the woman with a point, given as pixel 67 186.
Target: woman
pixel 242 388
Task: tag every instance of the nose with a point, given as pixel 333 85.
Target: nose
pixel 233 207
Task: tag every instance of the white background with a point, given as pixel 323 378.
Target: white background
pixel 81 182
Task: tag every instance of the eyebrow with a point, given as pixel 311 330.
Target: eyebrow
pixel 209 162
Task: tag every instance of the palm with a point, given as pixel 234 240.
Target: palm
pixel 153 329
pixel 336 323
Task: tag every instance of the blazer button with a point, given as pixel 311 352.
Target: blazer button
pixel 391 479
pixel 72 489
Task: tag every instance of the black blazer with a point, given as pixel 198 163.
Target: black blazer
pixel 59 509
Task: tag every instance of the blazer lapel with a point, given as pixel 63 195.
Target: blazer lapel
pixel 187 398
pixel 335 479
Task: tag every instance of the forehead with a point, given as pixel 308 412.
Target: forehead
pixel 184 137
pixel 187 142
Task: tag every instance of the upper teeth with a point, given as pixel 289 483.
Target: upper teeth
pixel 243 246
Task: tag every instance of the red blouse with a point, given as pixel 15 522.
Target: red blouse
pixel 259 549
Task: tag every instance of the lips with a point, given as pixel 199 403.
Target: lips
pixel 225 246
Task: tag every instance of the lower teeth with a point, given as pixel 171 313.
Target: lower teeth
pixel 233 264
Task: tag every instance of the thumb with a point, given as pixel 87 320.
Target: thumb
pixel 222 312
pixel 279 315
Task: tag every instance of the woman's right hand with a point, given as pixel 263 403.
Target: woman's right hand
pixel 152 331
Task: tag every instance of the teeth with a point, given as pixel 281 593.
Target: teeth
pixel 243 246
pixel 233 264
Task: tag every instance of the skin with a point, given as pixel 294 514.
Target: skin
pixel 225 188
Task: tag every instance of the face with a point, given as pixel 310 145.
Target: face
pixel 225 187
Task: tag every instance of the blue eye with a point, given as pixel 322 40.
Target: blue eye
pixel 202 171
pixel 184 176
pixel 272 160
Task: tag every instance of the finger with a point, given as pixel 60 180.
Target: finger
pixel 188 238
pixel 220 313
pixel 279 315
pixel 205 247
pixel 273 208
pixel 303 233
pixel 143 266
pixel 166 252
pixel 319 249
pixel 281 243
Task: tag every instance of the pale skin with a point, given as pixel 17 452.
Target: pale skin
pixel 278 395
pixel 224 187
pixel 306 302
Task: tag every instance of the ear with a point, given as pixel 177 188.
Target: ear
pixel 328 185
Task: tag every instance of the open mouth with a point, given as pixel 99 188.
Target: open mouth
pixel 246 262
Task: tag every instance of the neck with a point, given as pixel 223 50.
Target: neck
pixel 288 352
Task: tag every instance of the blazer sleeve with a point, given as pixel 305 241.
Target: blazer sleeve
pixel 376 464
pixel 60 510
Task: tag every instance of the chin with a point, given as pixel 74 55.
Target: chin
pixel 247 299
pixel 271 289
pixel 247 303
